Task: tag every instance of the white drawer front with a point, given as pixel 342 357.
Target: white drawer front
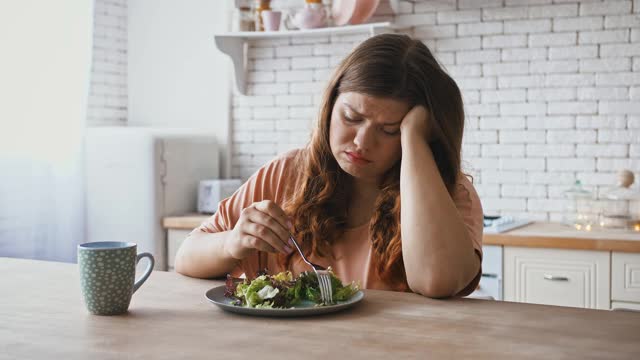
pixel 557 277
pixel 625 277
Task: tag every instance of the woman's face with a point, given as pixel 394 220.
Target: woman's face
pixel 364 134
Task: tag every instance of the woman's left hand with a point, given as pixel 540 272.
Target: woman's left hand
pixel 416 122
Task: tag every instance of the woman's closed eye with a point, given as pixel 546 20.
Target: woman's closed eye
pixel 391 132
pixel 350 119
pixel 387 131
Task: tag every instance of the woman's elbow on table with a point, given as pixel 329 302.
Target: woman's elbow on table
pixel 184 261
pixel 432 288
pixel 179 264
pixel 439 286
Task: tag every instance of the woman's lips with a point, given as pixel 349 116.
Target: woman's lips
pixel 356 159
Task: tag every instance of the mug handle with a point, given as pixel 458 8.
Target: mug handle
pixel 147 271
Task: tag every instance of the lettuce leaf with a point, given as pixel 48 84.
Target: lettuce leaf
pixel 284 291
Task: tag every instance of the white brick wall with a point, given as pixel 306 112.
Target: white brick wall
pixel 108 90
pixel 551 91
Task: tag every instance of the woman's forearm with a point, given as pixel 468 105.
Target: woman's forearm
pixel 203 255
pixel 438 252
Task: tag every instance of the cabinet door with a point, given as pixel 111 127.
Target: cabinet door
pixel 625 277
pixel 175 239
pixel 575 278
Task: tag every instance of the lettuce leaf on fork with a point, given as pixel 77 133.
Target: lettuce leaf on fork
pixel 283 291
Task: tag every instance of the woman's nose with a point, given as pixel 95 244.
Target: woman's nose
pixel 364 138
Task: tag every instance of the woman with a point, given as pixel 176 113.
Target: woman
pixel 378 193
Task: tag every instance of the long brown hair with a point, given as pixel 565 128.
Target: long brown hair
pixel 393 66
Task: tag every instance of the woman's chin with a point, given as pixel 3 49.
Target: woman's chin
pixel 354 170
pixel 348 168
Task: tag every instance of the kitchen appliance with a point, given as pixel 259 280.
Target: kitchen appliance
pixel 211 192
pixel 135 176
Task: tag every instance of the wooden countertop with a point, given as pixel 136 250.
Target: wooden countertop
pixel 559 236
pixel 43 316
pixel 538 234
pixel 186 222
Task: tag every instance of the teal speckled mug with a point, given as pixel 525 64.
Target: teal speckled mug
pixel 107 275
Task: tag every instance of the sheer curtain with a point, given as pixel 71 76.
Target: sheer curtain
pixel 44 70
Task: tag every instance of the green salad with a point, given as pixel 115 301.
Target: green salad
pixel 283 290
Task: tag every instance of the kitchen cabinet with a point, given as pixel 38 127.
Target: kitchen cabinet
pixel 551 263
pixel 625 277
pixel 577 278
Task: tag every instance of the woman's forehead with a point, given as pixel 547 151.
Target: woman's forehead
pixel 372 106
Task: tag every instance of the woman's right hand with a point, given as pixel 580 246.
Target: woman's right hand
pixel 262 226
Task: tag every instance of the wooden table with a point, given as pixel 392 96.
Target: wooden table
pixel 42 316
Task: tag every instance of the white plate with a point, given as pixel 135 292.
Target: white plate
pixel 304 308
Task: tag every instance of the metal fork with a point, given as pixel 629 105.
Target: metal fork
pixel 324 277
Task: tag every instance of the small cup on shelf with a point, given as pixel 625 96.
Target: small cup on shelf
pixel 271 20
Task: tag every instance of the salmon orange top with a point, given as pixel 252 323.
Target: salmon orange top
pixel 352 258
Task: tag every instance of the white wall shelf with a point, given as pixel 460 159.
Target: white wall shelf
pixel 234 44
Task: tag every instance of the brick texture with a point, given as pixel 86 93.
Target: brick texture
pixel 107 103
pixel 551 91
